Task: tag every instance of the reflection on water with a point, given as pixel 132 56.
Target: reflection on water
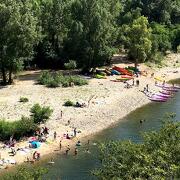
pixel 79 167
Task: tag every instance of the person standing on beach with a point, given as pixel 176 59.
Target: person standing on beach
pixel 55 135
pixel 147 87
pixel 75 132
pixel 61 114
pixel 60 145
pixel 137 82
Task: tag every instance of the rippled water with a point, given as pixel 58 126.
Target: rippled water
pixel 79 167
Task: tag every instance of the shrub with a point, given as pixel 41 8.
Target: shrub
pixel 26 173
pixel 23 99
pixel 69 103
pixel 20 128
pixel 44 78
pixel 70 65
pixel 57 79
pixel 178 49
pixel 40 114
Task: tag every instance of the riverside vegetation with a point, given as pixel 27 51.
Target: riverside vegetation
pixel 52 33
pixel 25 126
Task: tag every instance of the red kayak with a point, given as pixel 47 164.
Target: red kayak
pixel 126 76
pixel 122 71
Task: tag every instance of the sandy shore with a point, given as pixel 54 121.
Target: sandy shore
pixel 110 102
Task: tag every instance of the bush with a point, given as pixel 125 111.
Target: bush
pixel 69 103
pixel 26 173
pixel 23 99
pixel 57 79
pixel 40 114
pixel 45 78
pixel 70 65
pixel 178 49
pixel 158 58
pixel 23 127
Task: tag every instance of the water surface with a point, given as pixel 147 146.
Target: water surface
pixel 79 167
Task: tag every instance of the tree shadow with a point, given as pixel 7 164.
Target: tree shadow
pixel 120 58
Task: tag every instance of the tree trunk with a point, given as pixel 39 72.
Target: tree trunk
pixel 10 80
pixel 136 64
pixel 4 76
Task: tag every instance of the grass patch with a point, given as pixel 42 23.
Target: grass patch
pixel 23 99
pixel 57 79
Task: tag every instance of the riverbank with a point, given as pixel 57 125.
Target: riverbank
pixel 109 102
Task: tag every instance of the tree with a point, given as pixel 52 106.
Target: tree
pixel 18 35
pixel 93 32
pixel 158 157
pixel 139 40
pixel 55 21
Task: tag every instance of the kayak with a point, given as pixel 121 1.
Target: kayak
pixel 122 71
pixel 166 92
pixel 98 76
pixel 167 86
pixel 159 79
pixel 163 95
pixel 157 100
pixel 122 79
pixel 126 76
pixel 114 72
pixel 159 97
pixel 170 89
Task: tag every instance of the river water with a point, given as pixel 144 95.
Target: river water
pixel 79 167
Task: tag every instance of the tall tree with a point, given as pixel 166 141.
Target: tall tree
pixel 93 31
pixel 18 35
pixel 139 40
pixel 54 20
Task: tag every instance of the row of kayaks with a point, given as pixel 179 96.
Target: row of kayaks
pixel 128 71
pixel 166 92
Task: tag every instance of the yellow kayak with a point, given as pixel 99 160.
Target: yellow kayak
pixel 159 79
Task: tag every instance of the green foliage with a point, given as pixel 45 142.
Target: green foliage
pixel 20 128
pixel 161 37
pixel 69 103
pixel 157 157
pixel 157 58
pixel 23 99
pixel 178 49
pixel 70 65
pixel 19 33
pixel 26 173
pixel 40 114
pixel 139 40
pixel 57 79
pixel 93 29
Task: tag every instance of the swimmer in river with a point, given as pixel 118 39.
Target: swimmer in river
pixel 76 151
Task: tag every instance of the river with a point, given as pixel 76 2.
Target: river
pixel 79 167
